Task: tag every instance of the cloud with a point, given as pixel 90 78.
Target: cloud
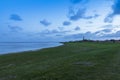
pixel 15 17
pixel 61 28
pixel 108 26
pixel 45 22
pixel 107 30
pixel 112 35
pixel 90 17
pixel 66 23
pixel 74 36
pixel 53 32
pixel 116 11
pixel 109 18
pixel 98 35
pixel 89 22
pixel 103 32
pixel 74 16
pixel 79 36
pixel 77 28
pixel 76 13
pixel 78 1
pixel 15 28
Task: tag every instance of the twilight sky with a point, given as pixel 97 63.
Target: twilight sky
pixel 59 20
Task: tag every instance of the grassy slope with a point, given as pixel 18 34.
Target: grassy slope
pixel 73 61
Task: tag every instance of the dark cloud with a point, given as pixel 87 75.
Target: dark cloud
pixel 116 11
pixel 76 15
pixel 66 23
pixel 15 28
pixel 15 17
pixel 45 22
pixel 77 28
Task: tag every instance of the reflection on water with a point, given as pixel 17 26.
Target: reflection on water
pixel 19 47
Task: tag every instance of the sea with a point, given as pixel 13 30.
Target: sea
pixel 15 47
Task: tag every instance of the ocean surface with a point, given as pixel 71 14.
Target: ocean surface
pixel 14 47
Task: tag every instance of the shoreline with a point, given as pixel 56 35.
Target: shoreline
pixel 32 50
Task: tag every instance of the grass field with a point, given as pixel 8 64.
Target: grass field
pixel 72 61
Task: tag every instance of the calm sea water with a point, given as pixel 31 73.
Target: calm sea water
pixel 6 48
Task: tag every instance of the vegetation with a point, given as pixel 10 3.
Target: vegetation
pixel 72 61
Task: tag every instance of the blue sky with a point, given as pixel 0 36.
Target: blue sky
pixel 59 20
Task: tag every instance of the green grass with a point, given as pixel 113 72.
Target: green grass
pixel 72 61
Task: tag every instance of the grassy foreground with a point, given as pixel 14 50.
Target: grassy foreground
pixel 72 61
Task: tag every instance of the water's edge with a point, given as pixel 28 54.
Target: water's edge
pixel 34 49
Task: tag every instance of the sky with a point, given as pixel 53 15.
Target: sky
pixel 59 20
